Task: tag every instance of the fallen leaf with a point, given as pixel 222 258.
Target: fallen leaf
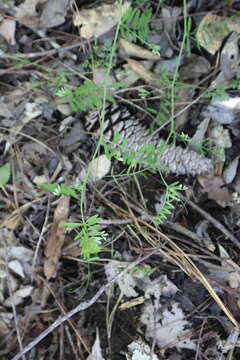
pixel 57 237
pixel 97 169
pixel 97 21
pixel 7 30
pixel 5 109
pixel 53 13
pixel 128 76
pixel 170 16
pixel 16 267
pixel 213 29
pixel 231 170
pixel 31 111
pixel 96 353
pixel 229 62
pixel 202 230
pixel 139 350
pixel 141 70
pixel 5 323
pixel 13 220
pixel 40 179
pixel 197 139
pixel 75 134
pixel 20 253
pixel 128 49
pixel 232 268
pixel 167 326
pixel 224 111
pixel 19 296
pixel 214 186
pixel 194 67
pixel 126 283
pixel 222 140
pixel 27 13
pixel 164 323
pixel 100 76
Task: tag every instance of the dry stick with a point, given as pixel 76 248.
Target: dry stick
pixel 42 53
pixel 13 304
pixel 40 239
pixel 82 306
pixel 134 105
pixel 212 220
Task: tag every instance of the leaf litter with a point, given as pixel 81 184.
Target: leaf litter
pixel 166 78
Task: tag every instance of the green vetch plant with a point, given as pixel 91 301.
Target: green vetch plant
pixel 135 24
pixel 90 95
pixel 87 96
pixel 100 56
pixel 170 197
pixel 146 156
pixel 53 78
pixel 91 239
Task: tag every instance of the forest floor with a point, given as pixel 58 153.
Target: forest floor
pixel 120 180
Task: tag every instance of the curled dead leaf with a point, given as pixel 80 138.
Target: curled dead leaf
pixel 57 237
pixel 141 70
pixel 128 49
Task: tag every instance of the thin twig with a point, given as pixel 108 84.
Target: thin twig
pixel 134 105
pixel 82 306
pixel 59 51
pixel 13 305
pixel 40 239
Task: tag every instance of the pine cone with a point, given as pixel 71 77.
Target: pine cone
pixel 180 161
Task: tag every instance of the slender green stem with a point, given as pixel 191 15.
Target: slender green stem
pixel 102 115
pixel 176 72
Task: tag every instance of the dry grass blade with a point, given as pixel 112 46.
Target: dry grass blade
pixel 174 253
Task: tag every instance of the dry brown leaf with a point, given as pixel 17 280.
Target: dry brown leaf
pixel 7 30
pixel 57 237
pixel 13 220
pixel 224 111
pixel 128 76
pixel 232 267
pixel 96 353
pixel 127 49
pixel 197 139
pixel 96 169
pixel 194 67
pixel 27 13
pixel 222 140
pixel 97 21
pixel 185 96
pixel 213 29
pixel 214 186
pixel 53 13
pixel 140 69
pixel 231 170
pixel 140 350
